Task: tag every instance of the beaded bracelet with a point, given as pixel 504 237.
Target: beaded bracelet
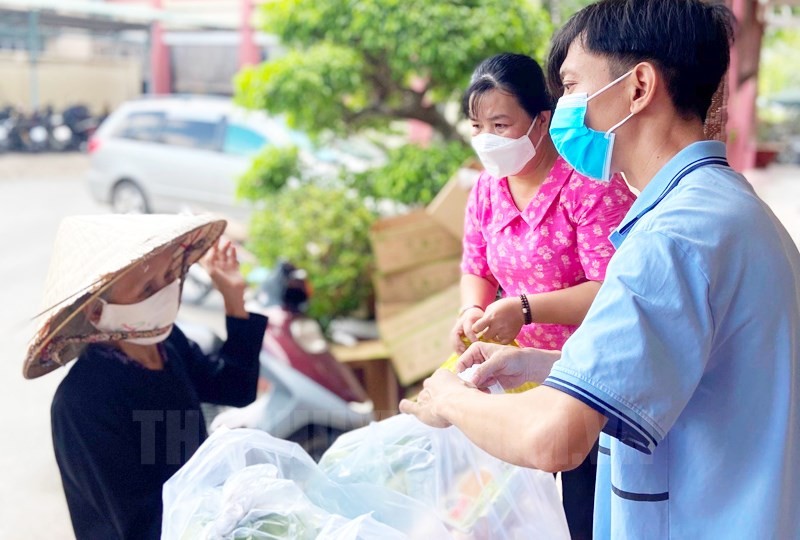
pixel 526 309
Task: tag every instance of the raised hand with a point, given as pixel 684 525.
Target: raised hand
pixel 222 266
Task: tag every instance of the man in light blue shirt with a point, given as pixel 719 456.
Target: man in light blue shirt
pixel 691 353
pixel 688 363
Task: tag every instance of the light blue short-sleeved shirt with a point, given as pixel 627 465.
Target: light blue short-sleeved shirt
pixel 692 351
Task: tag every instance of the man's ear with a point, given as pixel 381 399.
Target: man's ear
pixel 643 85
pixel 94 310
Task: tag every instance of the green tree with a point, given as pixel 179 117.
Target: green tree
pixel 356 65
pixel 364 63
pixel 323 231
pixel 778 57
pixel 561 10
pixel 368 66
pixel 778 81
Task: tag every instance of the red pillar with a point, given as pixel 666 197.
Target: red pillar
pixel 743 85
pixel 419 132
pixel 249 53
pixel 160 73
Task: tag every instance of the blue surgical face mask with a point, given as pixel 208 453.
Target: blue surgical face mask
pixel 586 150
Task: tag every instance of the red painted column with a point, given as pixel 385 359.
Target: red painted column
pixel 743 85
pixel 419 132
pixel 160 72
pixel 249 53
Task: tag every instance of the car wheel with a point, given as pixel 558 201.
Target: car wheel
pixel 128 198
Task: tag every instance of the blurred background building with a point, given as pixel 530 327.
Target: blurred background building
pixel 100 53
pixel 103 52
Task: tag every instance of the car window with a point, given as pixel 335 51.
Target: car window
pixel 141 126
pixel 241 141
pixel 190 133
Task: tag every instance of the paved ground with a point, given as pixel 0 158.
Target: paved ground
pixel 35 193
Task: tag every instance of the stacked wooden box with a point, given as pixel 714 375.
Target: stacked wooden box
pixel 417 260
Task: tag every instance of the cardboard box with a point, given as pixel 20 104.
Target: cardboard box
pixel 448 207
pixel 410 240
pixel 417 283
pixel 418 339
pixel 384 310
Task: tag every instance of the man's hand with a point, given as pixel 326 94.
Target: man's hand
pixel 437 390
pixel 509 366
pixel 502 321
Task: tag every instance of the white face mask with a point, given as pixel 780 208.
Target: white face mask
pixel 504 156
pixel 153 313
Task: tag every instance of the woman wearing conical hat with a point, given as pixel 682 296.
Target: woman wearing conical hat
pixel 127 415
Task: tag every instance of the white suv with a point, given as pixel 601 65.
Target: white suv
pixel 170 154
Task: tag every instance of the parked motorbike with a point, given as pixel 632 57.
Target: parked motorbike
pixel 47 130
pixel 82 125
pixel 307 396
pixel 61 137
pixel 31 133
pixel 7 123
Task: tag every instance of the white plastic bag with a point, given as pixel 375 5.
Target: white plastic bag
pixel 476 495
pixel 246 484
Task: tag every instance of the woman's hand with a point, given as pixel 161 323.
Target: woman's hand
pixel 501 322
pixel 510 366
pixel 223 267
pixel 463 328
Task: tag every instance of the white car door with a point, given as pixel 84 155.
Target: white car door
pixel 190 161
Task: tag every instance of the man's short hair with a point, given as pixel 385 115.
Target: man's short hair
pixel 687 40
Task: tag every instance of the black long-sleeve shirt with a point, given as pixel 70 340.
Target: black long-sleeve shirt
pixel 120 431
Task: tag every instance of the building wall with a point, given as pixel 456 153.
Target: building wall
pixel 98 84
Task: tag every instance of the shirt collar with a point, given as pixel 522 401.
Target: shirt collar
pixel 663 182
pixel 537 208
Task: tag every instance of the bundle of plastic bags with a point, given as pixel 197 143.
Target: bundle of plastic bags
pixel 244 484
pixel 475 495
pixel 393 479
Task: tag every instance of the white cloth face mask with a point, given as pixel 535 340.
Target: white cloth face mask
pixel 505 156
pixel 153 313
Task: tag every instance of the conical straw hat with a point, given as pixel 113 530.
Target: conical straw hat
pixel 90 253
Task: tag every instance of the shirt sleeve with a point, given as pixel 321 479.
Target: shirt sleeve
pixel 600 208
pixel 642 350
pixel 474 259
pixel 229 377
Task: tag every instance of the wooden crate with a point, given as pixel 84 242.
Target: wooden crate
pixel 411 240
pixel 418 283
pixel 370 362
pixel 418 339
pixel 449 205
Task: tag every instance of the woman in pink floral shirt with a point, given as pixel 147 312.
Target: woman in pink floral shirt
pixel 535 229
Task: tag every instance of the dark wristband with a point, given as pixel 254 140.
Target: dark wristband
pixel 526 309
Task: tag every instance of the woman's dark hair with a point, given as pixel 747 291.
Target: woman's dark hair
pixel 515 74
pixel 687 40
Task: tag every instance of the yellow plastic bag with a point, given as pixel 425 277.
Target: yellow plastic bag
pixel 450 365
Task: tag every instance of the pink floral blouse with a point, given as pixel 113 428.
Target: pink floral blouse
pixel 558 241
